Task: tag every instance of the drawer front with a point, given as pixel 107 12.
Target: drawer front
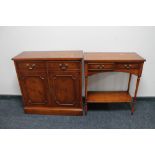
pixel 31 66
pixel 64 65
pixel 100 66
pixel 128 66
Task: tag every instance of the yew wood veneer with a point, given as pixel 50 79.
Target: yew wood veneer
pixel 96 62
pixel 51 82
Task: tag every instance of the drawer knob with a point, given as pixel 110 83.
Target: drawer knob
pixel 42 77
pixel 30 66
pixel 63 66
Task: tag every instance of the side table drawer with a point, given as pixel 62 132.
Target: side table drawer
pixel 100 66
pixel 128 66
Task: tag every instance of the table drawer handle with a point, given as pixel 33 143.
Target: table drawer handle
pixel 101 66
pixel 127 66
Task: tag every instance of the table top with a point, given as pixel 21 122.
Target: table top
pixel 113 56
pixel 50 55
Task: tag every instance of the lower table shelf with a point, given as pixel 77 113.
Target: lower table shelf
pixel 108 97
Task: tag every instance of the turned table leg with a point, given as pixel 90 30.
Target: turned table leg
pixel 135 95
pixel 129 82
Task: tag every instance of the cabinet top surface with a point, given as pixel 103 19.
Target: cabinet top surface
pixel 112 56
pixel 50 55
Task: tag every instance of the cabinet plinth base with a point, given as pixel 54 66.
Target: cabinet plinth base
pixel 53 111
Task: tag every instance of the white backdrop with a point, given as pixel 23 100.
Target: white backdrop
pixel 14 40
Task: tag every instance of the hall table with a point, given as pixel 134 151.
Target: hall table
pixel 97 62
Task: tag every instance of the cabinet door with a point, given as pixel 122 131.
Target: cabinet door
pixel 35 89
pixel 65 89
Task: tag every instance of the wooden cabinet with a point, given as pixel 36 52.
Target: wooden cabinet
pixel 51 82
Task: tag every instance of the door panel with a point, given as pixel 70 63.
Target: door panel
pixel 35 89
pixel 65 88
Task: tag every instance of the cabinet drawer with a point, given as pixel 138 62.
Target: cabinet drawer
pixel 31 66
pixel 100 66
pixel 64 65
pixel 128 66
